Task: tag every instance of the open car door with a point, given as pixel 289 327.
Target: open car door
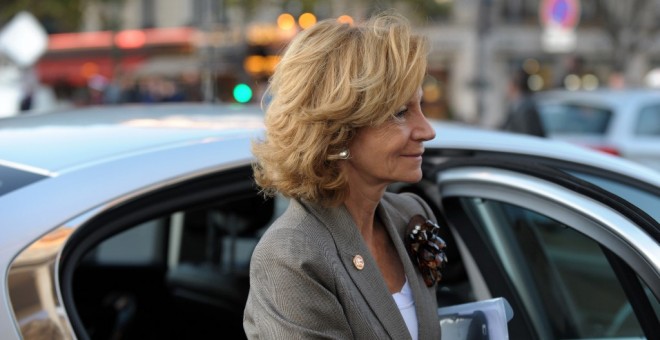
pixel 573 247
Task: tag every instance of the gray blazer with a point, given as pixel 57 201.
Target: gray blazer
pixel 304 285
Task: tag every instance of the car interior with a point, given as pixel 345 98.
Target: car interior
pixel 173 263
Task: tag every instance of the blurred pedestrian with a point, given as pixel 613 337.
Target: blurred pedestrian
pixel 114 90
pixel 29 85
pixel 344 122
pixel 191 87
pixel 96 86
pixel 522 114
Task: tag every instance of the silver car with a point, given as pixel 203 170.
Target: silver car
pixel 138 222
pixel 621 122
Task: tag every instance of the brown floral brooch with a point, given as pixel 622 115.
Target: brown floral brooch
pixel 426 248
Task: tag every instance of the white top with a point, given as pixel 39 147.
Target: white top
pixel 404 300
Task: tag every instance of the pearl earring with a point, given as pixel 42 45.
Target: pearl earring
pixel 344 154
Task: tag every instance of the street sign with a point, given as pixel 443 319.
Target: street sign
pixel 559 19
pixel 562 13
pixel 23 39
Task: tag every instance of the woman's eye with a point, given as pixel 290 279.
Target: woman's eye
pixel 401 113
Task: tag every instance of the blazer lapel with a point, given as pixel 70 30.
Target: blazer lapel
pixel 369 281
pixel 424 305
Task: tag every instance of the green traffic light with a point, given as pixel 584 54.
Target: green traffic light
pixel 242 93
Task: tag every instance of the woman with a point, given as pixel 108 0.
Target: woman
pixel 344 123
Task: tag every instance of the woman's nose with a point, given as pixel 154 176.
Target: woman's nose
pixel 423 130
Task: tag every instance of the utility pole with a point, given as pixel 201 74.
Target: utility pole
pixel 207 52
pixel 480 80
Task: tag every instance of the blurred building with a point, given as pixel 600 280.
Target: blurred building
pixel 477 45
pixel 484 42
pixel 144 44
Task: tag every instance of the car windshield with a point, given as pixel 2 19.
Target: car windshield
pixel 574 119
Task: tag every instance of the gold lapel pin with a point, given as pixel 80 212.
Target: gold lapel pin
pixel 358 262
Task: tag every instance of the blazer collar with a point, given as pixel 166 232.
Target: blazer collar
pixel 369 281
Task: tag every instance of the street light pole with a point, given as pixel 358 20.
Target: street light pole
pixel 207 50
pixel 481 82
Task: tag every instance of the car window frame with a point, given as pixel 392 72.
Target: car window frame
pixel 512 163
pixel 103 224
pixel 552 170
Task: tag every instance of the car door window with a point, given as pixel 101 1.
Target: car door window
pixel 574 119
pixel 648 123
pixel 642 197
pixel 184 271
pixel 169 263
pixel 141 245
pixel 574 281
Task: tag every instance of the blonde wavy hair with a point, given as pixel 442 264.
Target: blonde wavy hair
pixel 332 80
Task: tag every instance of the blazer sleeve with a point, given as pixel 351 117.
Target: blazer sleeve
pixel 291 290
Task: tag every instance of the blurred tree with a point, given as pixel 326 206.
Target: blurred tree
pixel 429 10
pixel 60 16
pixel 423 9
pixel 56 16
pixel 631 25
pixel 249 6
pixel 110 17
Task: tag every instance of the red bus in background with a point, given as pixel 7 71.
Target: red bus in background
pixel 147 65
pixel 74 58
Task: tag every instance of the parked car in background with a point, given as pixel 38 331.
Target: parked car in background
pixel 138 222
pixel 621 122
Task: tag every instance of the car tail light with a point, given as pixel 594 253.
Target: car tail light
pixel 608 149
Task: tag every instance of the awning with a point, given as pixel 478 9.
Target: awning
pixel 169 66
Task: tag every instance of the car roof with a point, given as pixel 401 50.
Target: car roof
pixel 58 142
pixel 607 97
pixel 465 137
pixel 55 143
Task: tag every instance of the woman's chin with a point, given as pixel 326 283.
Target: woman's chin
pixel 412 177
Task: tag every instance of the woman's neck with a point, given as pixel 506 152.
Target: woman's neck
pixel 362 207
pixel 362 204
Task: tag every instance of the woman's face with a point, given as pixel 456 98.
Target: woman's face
pixel 391 152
